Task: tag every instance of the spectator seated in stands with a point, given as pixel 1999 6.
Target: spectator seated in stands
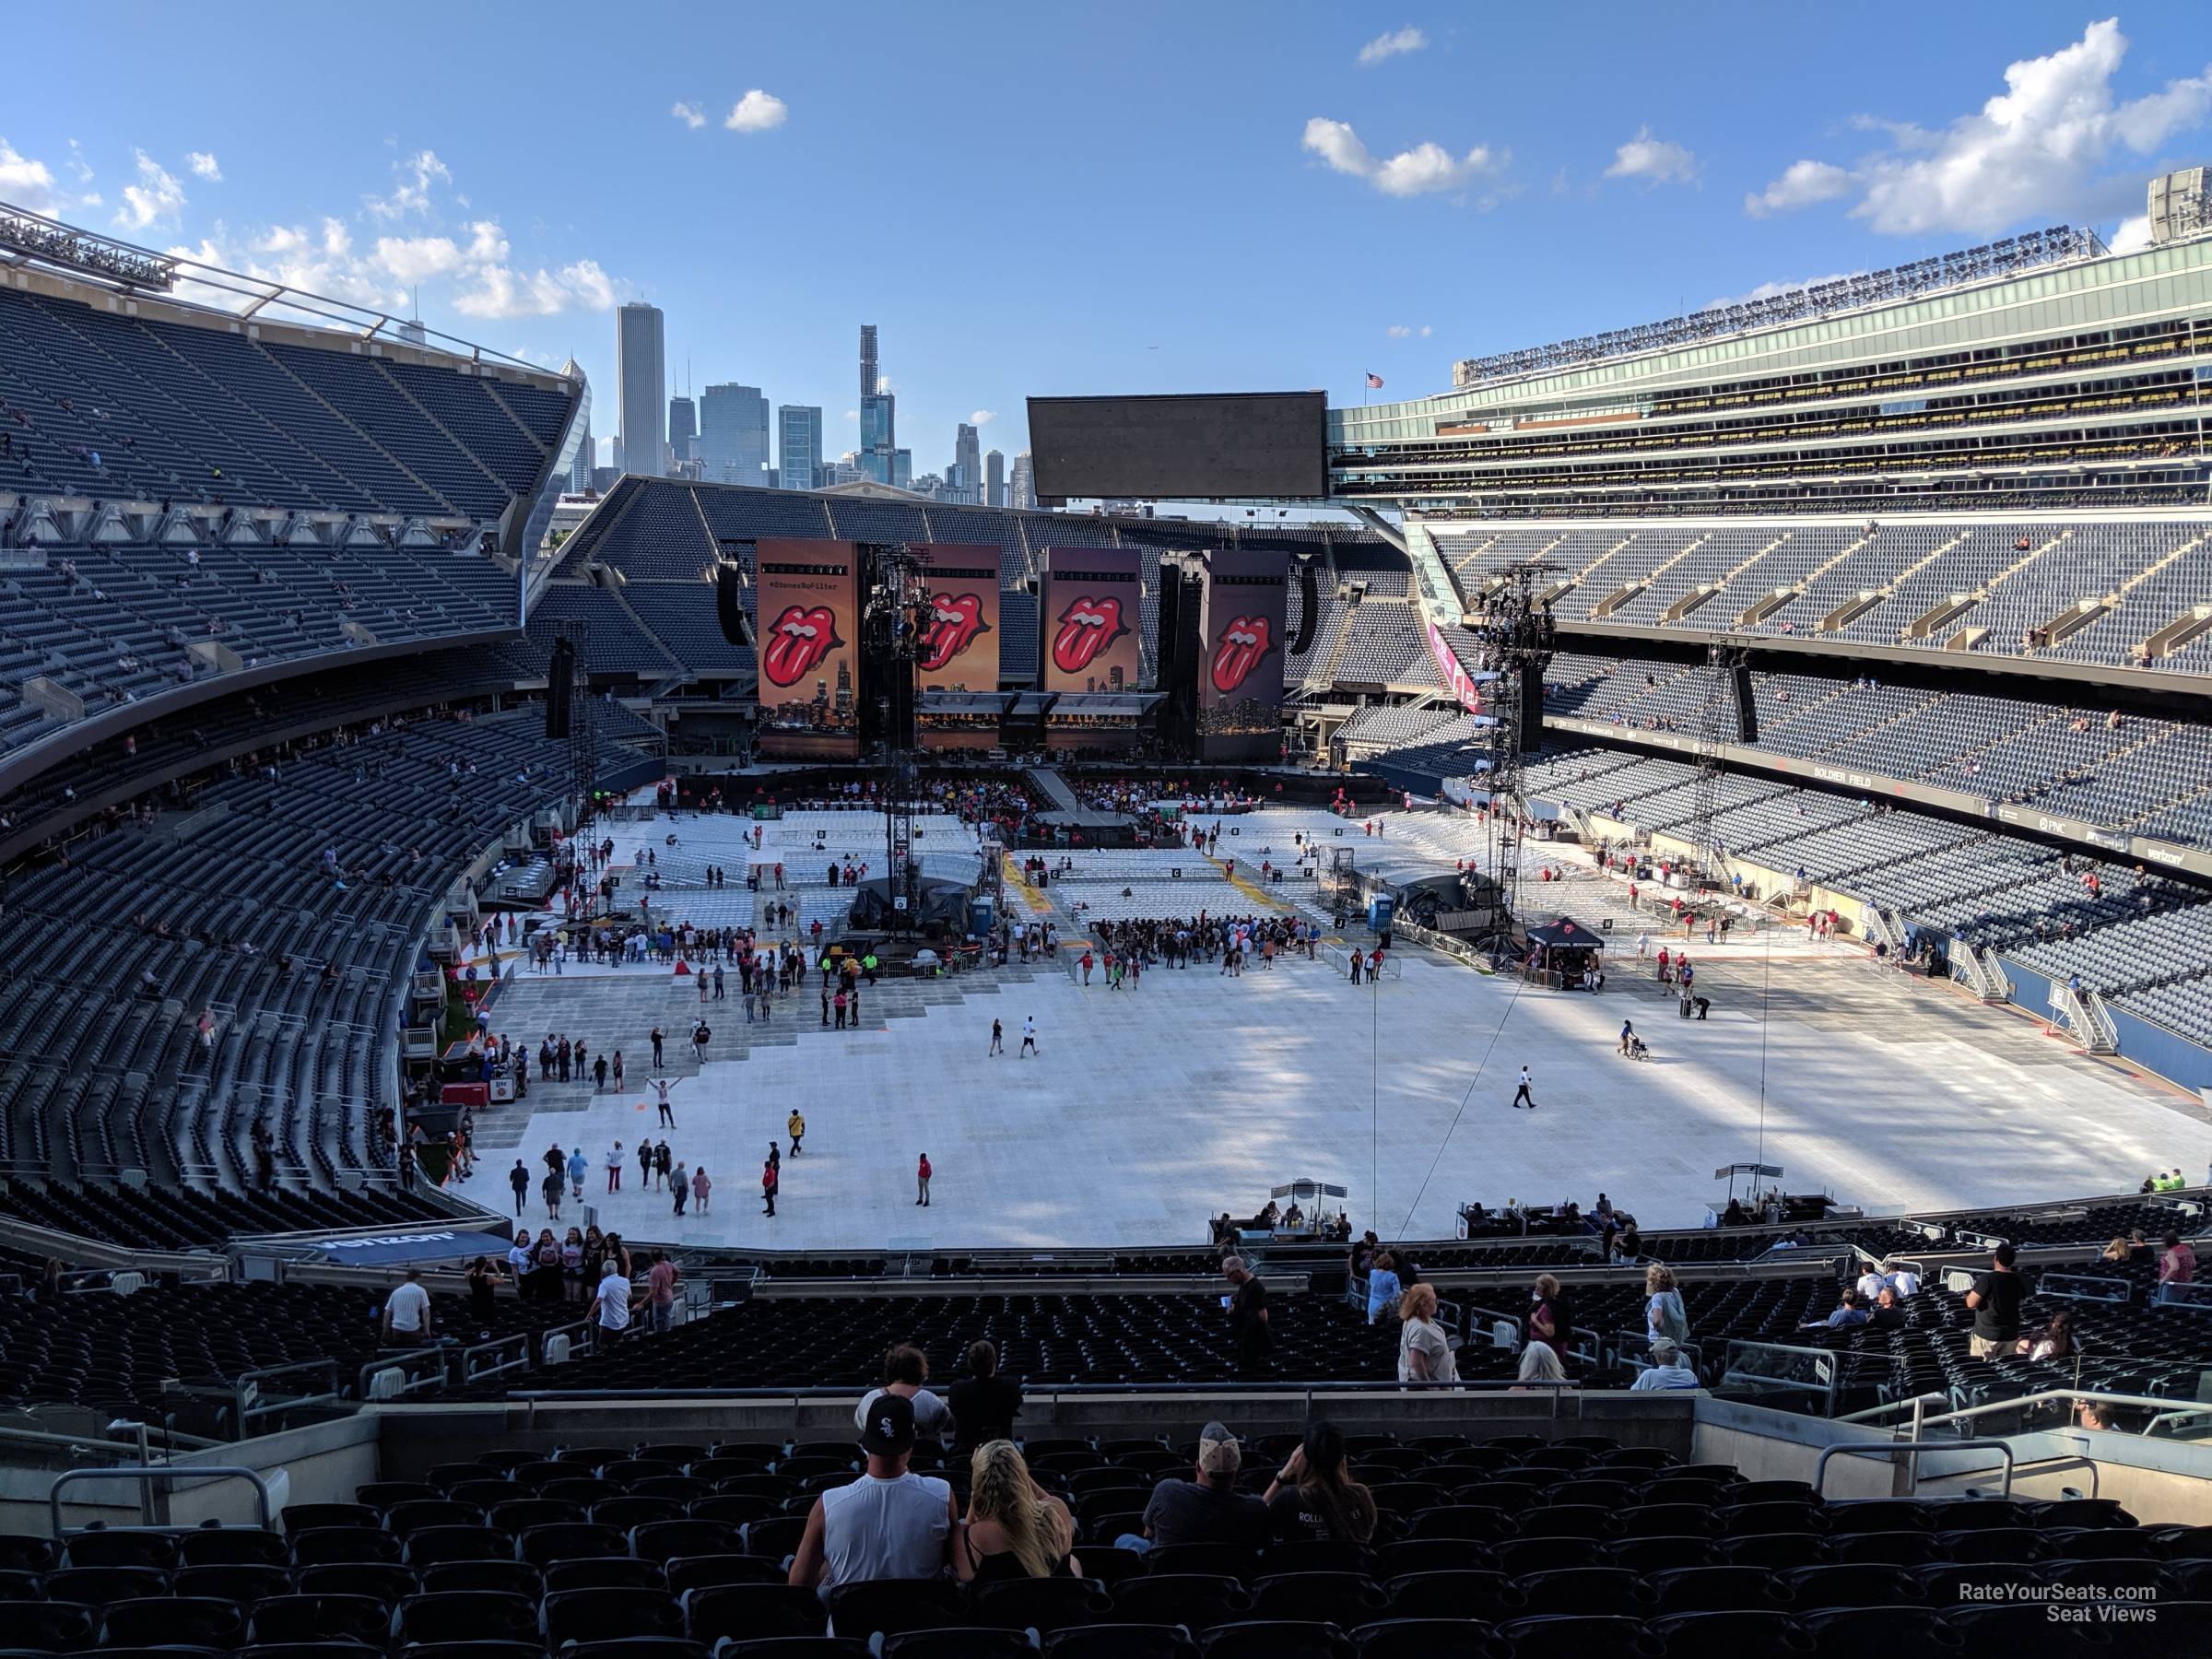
pixel 1889 1311
pixel 1015 1528
pixel 1314 1495
pixel 1666 1370
pixel 889 1524
pixel 2054 1341
pixel 1849 1311
pixel 1540 1364
pixel 905 1370
pixel 984 1404
pixel 1208 1510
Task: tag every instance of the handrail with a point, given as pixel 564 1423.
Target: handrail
pixel 2049 1395
pixel 167 1474
pixel 1909 1403
pixel 1887 1448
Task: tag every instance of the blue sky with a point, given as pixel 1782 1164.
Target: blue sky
pixel 1064 199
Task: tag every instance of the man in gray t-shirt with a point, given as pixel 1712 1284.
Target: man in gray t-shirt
pixel 891 1524
pixel 1206 1510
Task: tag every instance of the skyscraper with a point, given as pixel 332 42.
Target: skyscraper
pixel 967 455
pixel 902 469
pixel 732 435
pixel 1023 492
pixel 798 445
pixel 878 413
pixel 642 371
pixel 683 428
pixel 995 479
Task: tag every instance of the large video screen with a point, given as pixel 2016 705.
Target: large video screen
pixel 1091 618
pixel 808 616
pixel 1241 673
pixel 1245 445
pixel 960 638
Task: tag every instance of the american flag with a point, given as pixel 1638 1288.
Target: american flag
pixel 1374 381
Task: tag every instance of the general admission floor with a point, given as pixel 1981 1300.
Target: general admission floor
pixel 1148 1110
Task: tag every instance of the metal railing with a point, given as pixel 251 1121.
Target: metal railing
pixel 2164 1413
pixel 1911 1449
pixel 531 1399
pixel 146 1478
pixel 421 1371
pixel 1810 1374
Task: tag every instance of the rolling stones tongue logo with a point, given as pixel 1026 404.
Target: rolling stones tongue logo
pixel 1243 646
pixel 948 627
pixel 1087 626
pixel 797 642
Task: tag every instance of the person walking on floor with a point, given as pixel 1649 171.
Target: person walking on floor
pixel 921 1180
pixel 657 1037
pixel 1029 1036
pixel 795 1126
pixel 645 1165
pixel 998 1039
pixel 771 1178
pixel 614 1168
pixel 700 1187
pixel 518 1179
pixel 660 1086
pixel 1520 1095
pixel 679 1182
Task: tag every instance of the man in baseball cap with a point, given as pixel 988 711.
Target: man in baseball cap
pixel 889 1524
pixel 1208 1510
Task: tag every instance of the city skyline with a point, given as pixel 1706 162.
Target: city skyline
pixel 715 186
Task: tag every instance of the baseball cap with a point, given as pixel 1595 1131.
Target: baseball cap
pixel 1217 1451
pixel 890 1428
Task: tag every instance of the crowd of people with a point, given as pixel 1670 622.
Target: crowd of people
pixel 1126 949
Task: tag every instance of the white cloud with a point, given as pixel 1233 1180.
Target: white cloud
pixel 205 166
pixel 318 259
pixel 413 259
pixel 1424 169
pixel 2132 235
pixel 1398 330
pixel 155 199
pixel 852 414
pixel 982 417
pixel 1802 184
pixel 1391 45
pixel 473 258
pixel 2036 150
pixel 756 112
pixel 25 182
pixel 1655 160
pixel 1426 330
pixel 499 291
pixel 416 173
pixel 691 115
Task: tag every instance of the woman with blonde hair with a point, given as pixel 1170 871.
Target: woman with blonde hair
pixel 1663 1313
pixel 1015 1528
pixel 1540 1364
pixel 1424 1348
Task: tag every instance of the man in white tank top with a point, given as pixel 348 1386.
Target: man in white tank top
pixel 889 1524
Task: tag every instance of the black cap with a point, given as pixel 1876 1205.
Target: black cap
pixel 889 1429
